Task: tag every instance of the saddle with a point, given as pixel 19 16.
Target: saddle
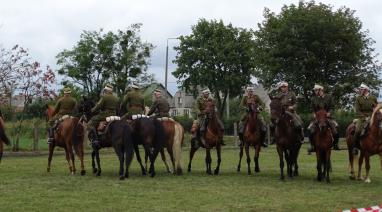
pixel 59 121
pixel 165 119
pixel 103 126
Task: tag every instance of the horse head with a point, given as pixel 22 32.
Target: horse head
pixel 210 109
pixel 322 119
pixel 376 117
pixel 48 112
pixel 85 106
pixel 276 109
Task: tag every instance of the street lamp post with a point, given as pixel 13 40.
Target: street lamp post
pixel 166 72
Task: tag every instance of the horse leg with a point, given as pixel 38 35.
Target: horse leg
pixel 360 161
pixel 67 156
pixel 328 165
pixel 351 163
pixel 51 149
pixel 121 156
pixel 163 156
pixel 256 158
pixel 192 152
pixel 218 152
pixel 129 154
pixel 367 167
pixel 295 156
pixel 98 162
pixel 208 161
pixel 288 162
pixel 280 153
pixel 171 153
pixel 139 159
pixel 240 156
pixel 71 154
pixel 80 153
pixel 248 158
pixel 319 164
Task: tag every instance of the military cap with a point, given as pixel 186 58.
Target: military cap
pixel 363 86
pixel 318 87
pixel 67 91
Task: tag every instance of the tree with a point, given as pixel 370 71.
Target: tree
pixel 216 56
pixel 311 43
pixel 101 57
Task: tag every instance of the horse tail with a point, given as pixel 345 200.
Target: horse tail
pixel 177 146
pixel 3 136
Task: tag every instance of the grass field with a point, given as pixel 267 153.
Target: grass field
pixel 25 186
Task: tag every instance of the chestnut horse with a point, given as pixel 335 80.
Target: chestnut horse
pixel 173 141
pixel 213 137
pixel 323 141
pixel 3 138
pixel 69 135
pixel 353 156
pixel 251 137
pixel 287 138
pixel 371 144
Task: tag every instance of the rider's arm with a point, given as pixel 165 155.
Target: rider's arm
pixel 153 108
pixel 98 106
pixel 57 107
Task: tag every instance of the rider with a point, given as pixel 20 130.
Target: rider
pixel 318 102
pixel 66 105
pixel 364 106
pixel 289 102
pixel 201 102
pixel 160 107
pixel 133 103
pixel 107 106
pixel 248 99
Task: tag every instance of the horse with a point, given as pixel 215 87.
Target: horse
pixel 323 141
pixel 371 144
pixel 69 135
pixel 287 138
pixel 148 132
pixel 118 136
pixel 213 137
pixel 173 141
pixel 251 137
pixel 3 138
pixel 353 156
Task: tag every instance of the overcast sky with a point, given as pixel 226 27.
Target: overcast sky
pixel 46 27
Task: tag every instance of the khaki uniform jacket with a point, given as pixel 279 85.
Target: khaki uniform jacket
pixel 160 107
pixel 287 99
pixel 201 104
pixel 325 102
pixel 364 105
pixel 106 106
pixel 134 103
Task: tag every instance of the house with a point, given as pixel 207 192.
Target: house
pixel 148 90
pixel 183 103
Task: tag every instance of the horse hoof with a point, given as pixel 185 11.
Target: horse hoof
pixel 209 172
pixel 257 170
pixel 121 177
pixel 216 172
pixel 83 172
pixel 238 169
pixel 282 179
pixel 360 178
pixel 296 174
pixel 72 173
pixel 152 175
pixel 98 174
pixel 48 170
pixel 179 171
pixel 126 175
pixel 352 177
pixel 95 170
pixel 327 181
pixel 368 180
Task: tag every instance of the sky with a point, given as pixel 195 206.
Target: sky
pixel 46 27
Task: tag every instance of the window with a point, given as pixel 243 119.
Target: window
pixel 186 112
pixel 175 112
pixel 179 100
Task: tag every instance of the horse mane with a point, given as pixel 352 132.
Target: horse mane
pixel 376 109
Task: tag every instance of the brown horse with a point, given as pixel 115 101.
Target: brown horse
pixel 353 156
pixel 69 135
pixel 287 138
pixel 3 138
pixel 213 137
pixel 251 137
pixel 173 141
pixel 371 144
pixel 323 141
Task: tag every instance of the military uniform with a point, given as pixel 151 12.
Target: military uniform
pixel 133 103
pixel 244 111
pixel 65 106
pixel 201 103
pixel 288 99
pixel 364 106
pixel 160 107
pixel 106 106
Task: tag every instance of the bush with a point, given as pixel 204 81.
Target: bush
pixel 185 121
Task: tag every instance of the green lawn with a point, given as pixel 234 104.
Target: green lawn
pixel 25 186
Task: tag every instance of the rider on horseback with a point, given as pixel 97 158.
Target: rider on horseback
pixel 318 102
pixel 248 99
pixel 64 106
pixel 202 116
pixel 289 102
pixel 106 106
pixel 160 107
pixel 133 103
pixel 364 106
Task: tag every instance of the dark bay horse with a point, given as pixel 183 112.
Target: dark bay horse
pixel 69 135
pixel 118 136
pixel 287 138
pixel 251 137
pixel 371 144
pixel 213 137
pixel 148 132
pixel 323 141
pixel 173 141
pixel 3 138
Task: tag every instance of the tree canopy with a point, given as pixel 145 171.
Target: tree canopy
pixel 216 56
pixel 312 43
pixel 100 57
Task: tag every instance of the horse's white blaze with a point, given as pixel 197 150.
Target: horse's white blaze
pixel 177 145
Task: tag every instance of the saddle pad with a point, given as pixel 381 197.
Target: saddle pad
pixel 138 116
pixel 165 119
pixel 112 118
pixel 64 117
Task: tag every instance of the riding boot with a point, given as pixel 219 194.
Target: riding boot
pixel 51 135
pixel 201 142
pixel 263 136
pixel 312 147
pixel 335 142
pixel 93 137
